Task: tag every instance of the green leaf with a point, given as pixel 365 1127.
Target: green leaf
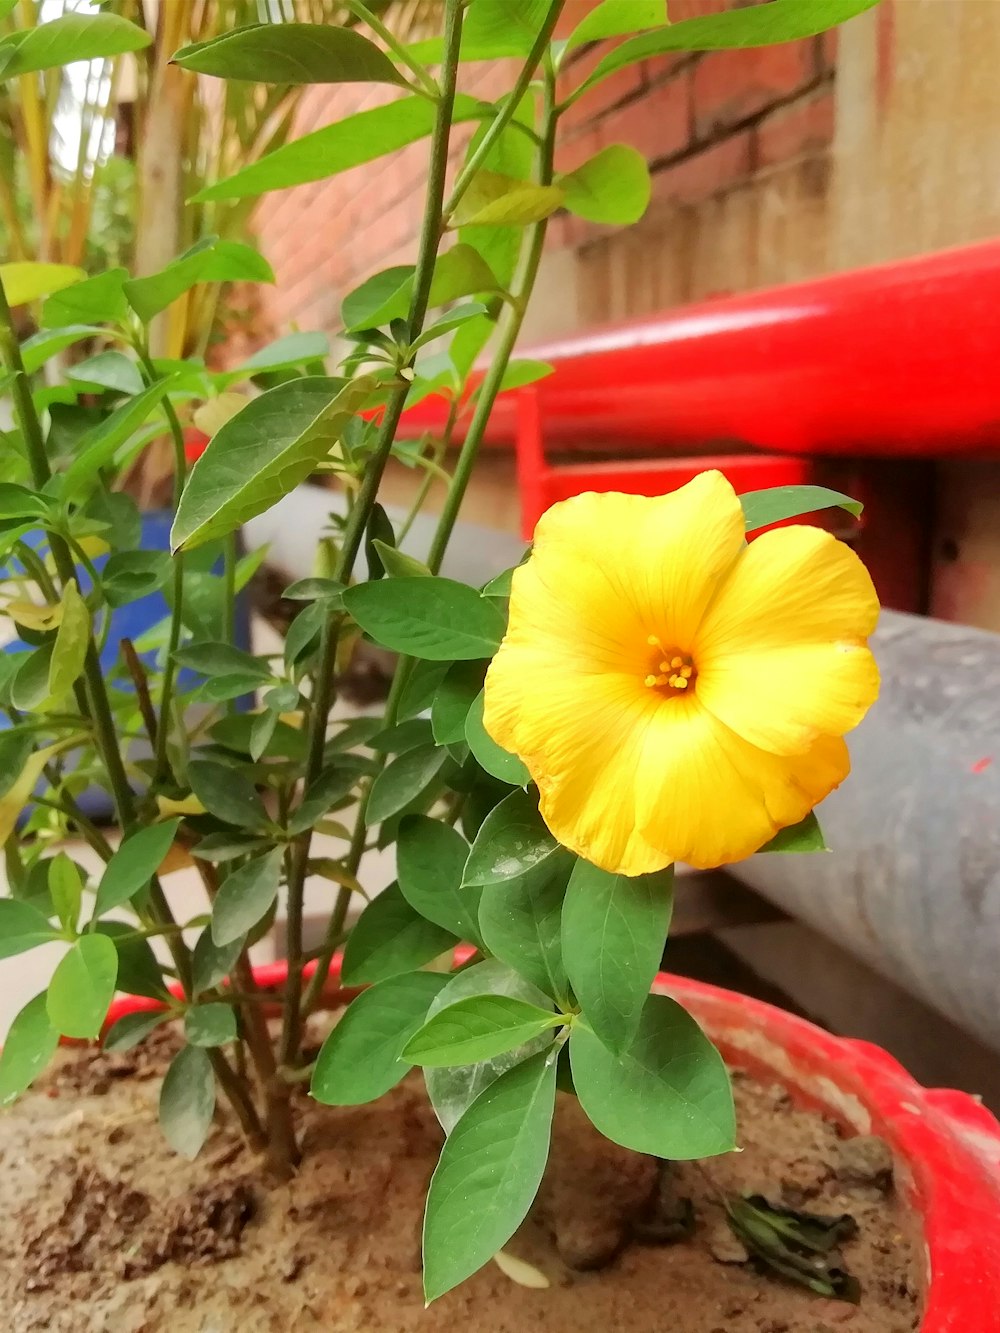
pixel 65 891
pixel 498 762
pixel 613 933
pixel 427 617
pixel 22 927
pixel 27 281
pixel 488 1174
pixel 262 454
pixel 453 1089
pixel 512 839
pixel 221 659
pixel 138 971
pixel 780 502
pixel 18 502
pixel 759 25
pixel 493 199
pixel 131 1029
pixel 99 446
pixel 130 575
pixel 210 1025
pixel 308 590
pixel 454 319
pixel 245 896
pixel 386 291
pixel 378 533
pixel 421 685
pixel 15 751
pixel 69 651
pixel 430 857
pixel 187 1101
pixel 402 737
pixel 210 260
pixel 329 788
pixel 108 370
pixel 294 349
pixel 96 300
pixel 397 564
pixel 613 186
pixel 29 688
pixel 348 143
pixel 73 37
pixel 478 1028
pixel 29 1046
pixel 618 18
pixel 522 372
pixel 37 349
pixel 667 1095
pixel 134 864
pixel 361 1058
pixel 211 962
pixel 291 54
pixel 388 938
pixel 227 794
pixel 17 794
pixel 520 921
pixel 403 780
pixel 456 694
pixel 82 987
pixel 805 836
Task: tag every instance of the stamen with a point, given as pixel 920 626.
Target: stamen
pixel 664 666
pixel 654 642
pixel 679 682
pixel 687 672
pixel 650 681
pixel 675 662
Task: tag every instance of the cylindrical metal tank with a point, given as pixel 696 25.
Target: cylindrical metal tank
pixel 912 884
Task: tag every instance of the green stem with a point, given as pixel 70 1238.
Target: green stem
pixel 229 589
pixel 513 319
pixel 506 114
pixel 430 237
pixel 98 706
pixel 161 768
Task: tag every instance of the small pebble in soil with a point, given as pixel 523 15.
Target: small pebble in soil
pixel 724 1247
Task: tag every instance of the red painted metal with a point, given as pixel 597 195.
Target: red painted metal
pixel 896 360
pixel 946 1143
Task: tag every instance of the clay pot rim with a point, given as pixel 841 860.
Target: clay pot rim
pixel 946 1142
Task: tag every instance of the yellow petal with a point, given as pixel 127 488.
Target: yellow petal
pixel 633 565
pixel 707 797
pixel 781 653
pixel 581 737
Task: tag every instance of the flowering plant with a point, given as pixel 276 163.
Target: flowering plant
pixel 646 687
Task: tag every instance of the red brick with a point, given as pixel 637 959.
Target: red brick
pixel 574 12
pixel 659 124
pixel 711 171
pixel 731 86
pixel 792 131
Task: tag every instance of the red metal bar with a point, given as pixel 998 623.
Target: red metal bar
pixel 893 360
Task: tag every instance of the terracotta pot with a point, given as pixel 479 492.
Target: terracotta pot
pixel 946 1144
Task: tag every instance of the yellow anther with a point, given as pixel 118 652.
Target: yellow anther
pixel 680 682
pixel 676 662
pixel 664 666
pixel 687 672
pixel 654 642
pixel 650 681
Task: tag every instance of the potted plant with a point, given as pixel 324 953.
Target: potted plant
pixel 645 687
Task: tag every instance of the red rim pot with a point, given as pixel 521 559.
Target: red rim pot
pixel 946 1144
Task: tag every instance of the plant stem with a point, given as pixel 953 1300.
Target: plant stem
pixel 430 237
pixel 98 706
pixel 161 767
pixel 513 318
pixel 511 103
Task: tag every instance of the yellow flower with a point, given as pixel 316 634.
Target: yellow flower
pixel 677 694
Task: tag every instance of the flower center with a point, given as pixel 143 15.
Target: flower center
pixel 673 671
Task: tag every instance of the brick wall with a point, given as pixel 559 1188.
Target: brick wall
pixel 706 124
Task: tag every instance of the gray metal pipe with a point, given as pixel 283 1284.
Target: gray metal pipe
pixel 912 885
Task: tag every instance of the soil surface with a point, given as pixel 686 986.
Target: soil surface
pixel 102 1228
